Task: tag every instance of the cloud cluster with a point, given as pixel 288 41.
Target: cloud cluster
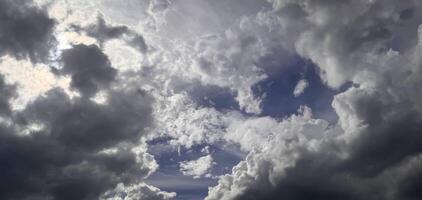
pixel 30 80
pixel 137 191
pixel 373 152
pixel 274 146
pixel 197 168
pixel 119 73
pixel 68 153
pixel 362 47
pixel 67 147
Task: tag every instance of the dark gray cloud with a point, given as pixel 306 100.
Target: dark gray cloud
pixel 311 178
pixel 25 30
pixel 393 134
pixel 138 42
pixel 63 161
pixel 385 145
pixel 7 92
pixel 67 157
pixel 84 124
pixel 410 186
pixel 104 32
pixel 89 68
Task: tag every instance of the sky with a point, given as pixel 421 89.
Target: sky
pixel 210 99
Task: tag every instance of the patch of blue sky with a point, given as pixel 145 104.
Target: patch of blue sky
pixel 277 95
pixel 214 96
pixel 169 178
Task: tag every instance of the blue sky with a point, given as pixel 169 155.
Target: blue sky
pixel 169 178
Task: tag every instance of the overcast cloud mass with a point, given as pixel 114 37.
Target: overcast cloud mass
pixel 210 99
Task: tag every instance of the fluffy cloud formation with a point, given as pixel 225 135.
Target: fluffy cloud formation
pixel 300 87
pixel 89 68
pixel 197 168
pixel 59 146
pixel 135 192
pixel 379 115
pixel 86 85
pixel 274 146
pixel 67 154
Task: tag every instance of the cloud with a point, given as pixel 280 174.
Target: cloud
pixel 89 68
pixel 188 125
pixel 26 31
pixel 379 115
pixel 82 146
pixel 224 55
pixel 273 147
pixel 7 91
pixel 197 168
pixel 101 31
pixel 30 80
pixel 137 191
pixel 139 43
pixel 143 74
pixel 300 87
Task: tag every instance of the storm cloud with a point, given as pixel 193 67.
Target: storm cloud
pixel 89 68
pixel 7 91
pixel 26 31
pixel 64 160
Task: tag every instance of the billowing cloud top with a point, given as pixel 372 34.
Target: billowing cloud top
pixel 210 99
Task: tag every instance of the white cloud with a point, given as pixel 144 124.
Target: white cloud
pixel 32 80
pixel 122 56
pixel 300 87
pixel 178 117
pixel 139 191
pixel 273 146
pixel 198 168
